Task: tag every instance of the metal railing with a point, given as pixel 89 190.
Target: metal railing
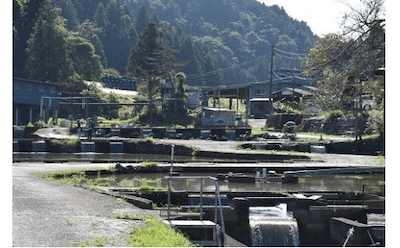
pixel 218 204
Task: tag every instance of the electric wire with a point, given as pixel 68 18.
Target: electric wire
pixel 282 65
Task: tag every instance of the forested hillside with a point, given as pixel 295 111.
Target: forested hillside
pixel 223 42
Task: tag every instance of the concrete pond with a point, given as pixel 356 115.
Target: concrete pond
pixel 318 209
pixel 247 197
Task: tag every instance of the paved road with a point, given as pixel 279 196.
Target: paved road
pixel 52 214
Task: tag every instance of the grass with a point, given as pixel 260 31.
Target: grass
pixel 257 131
pixel 143 185
pixel 66 142
pixel 381 160
pixel 76 178
pixel 149 164
pixel 96 242
pixel 153 233
pixel 156 234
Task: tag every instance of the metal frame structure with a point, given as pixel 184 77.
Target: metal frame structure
pixel 219 231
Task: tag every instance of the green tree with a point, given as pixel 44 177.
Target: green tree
pixel 90 31
pixel 180 112
pixel 85 62
pixel 24 18
pixel 150 59
pixel 47 47
pixel 19 47
pixel 345 64
pixel 69 11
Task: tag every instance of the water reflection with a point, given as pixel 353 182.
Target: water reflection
pixel 374 183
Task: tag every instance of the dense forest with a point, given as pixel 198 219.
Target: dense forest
pixel 215 42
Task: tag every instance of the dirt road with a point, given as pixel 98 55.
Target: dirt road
pixel 51 214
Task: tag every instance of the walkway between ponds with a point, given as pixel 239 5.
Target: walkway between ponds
pixel 52 214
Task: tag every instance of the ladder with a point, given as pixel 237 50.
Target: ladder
pixel 219 235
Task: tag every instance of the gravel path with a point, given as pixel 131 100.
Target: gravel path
pixel 52 214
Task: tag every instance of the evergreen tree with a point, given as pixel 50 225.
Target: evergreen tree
pixel 90 31
pixel 19 47
pixel 100 17
pixel 47 47
pixel 150 59
pixel 141 19
pixel 69 12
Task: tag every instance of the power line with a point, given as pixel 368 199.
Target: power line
pixel 280 56
pixel 295 54
pixel 210 73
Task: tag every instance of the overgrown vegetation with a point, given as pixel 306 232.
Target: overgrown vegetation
pixel 149 164
pixel 76 178
pixel 96 242
pixel 152 234
pixel 157 234
pixel 143 184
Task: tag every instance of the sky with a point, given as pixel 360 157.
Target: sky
pixel 322 16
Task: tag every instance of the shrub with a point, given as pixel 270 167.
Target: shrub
pixel 333 114
pixel 149 164
pixel 157 234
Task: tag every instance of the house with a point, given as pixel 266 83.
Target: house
pixel 260 92
pixel 291 94
pixel 28 95
pixel 215 117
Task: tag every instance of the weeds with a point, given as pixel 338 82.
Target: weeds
pixel 154 233
pixel 140 185
pixel 96 242
pixel 76 178
pixel 149 164
pixel 129 217
pixel 157 234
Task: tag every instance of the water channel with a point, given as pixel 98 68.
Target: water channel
pixel 373 183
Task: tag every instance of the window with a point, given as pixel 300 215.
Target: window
pixel 41 88
pixel 261 92
pixel 29 86
pixel 52 89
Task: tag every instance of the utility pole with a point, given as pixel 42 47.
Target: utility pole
pixel 270 79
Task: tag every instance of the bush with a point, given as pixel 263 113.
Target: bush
pixel 333 114
pixel 157 234
pixel 375 122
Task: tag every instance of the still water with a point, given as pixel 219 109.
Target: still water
pixel 374 183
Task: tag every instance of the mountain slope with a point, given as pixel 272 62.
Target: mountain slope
pixel 227 41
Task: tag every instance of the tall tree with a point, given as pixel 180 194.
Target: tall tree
pixel 47 47
pixel 19 46
pixel 25 16
pixel 344 63
pixel 82 54
pixel 90 31
pixel 69 12
pixel 150 59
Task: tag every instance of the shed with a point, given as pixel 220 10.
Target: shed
pixel 216 117
pixel 259 107
pixel 27 97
